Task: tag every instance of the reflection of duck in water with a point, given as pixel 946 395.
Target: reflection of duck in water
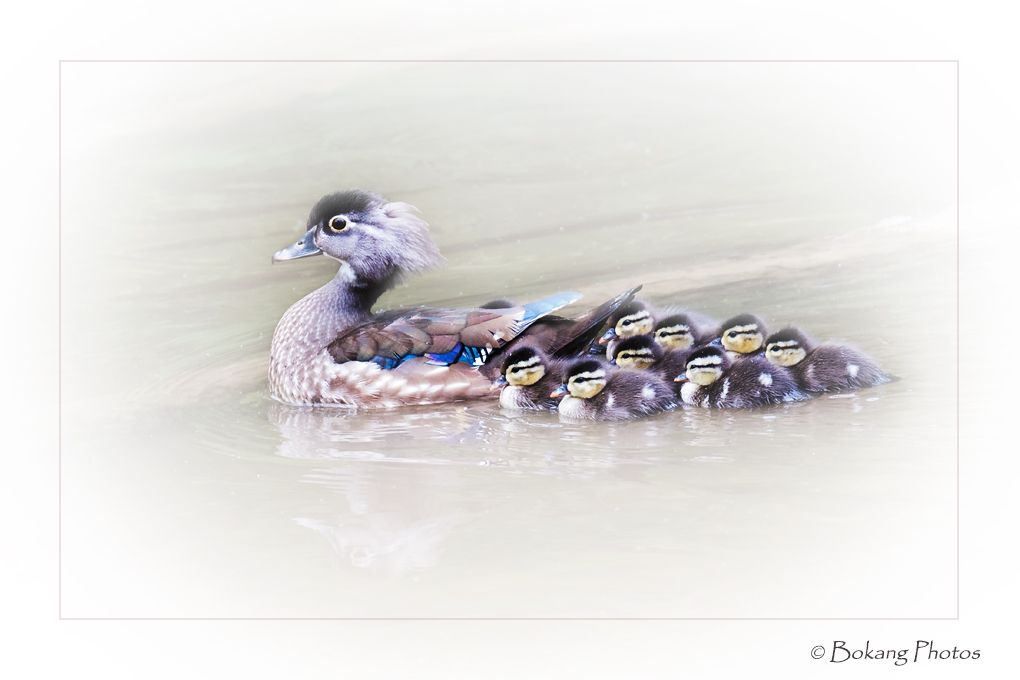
pixel 329 348
pixel 382 544
pixel 822 368
pixel 373 527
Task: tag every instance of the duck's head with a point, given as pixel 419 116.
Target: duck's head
pixel 524 366
pixel 674 332
pixel 380 240
pixel 788 347
pixel 743 334
pixel 637 352
pixel 584 379
pixel 705 366
pixel 633 318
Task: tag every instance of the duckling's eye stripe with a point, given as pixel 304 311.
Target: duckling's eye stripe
pixel 673 330
pixel 590 374
pixel 530 362
pixel 783 343
pixel 753 328
pixel 705 362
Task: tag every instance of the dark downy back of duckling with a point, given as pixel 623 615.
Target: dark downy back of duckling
pixel 833 368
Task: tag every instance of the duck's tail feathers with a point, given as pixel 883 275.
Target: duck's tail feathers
pixel 589 325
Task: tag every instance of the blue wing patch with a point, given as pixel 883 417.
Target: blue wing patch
pixel 475 356
pixel 445 359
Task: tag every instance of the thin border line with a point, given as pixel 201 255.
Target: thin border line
pixel 957 339
pixel 60 63
pixel 512 61
pixel 479 618
pixel 60 353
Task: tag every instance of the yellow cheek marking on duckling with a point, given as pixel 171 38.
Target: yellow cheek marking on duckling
pixel 636 360
pixel 674 337
pixel 748 339
pixel 790 355
pixel 591 385
pixel 640 324
pixel 529 376
pixel 703 375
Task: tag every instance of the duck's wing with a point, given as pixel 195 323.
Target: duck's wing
pixel 563 338
pixel 587 326
pixel 443 336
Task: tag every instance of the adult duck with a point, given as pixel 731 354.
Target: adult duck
pixel 329 348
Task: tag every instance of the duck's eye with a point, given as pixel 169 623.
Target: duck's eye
pixel 580 380
pixel 627 322
pixel 775 350
pixel 337 223
pixel 515 369
pixel 731 334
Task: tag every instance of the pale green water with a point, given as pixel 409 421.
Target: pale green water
pixel 187 492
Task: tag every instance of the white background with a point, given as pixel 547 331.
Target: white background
pixel 38 644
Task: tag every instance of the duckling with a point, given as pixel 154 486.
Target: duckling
pixel 822 368
pixel 330 348
pixel 641 352
pixel 742 336
pixel 594 391
pixel 528 378
pixel 684 331
pixel 712 379
pixel 636 318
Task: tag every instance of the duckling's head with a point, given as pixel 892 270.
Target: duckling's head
pixel 705 365
pixel 584 379
pixel 633 318
pixel 743 334
pixel 674 332
pixel 525 366
pixel 637 352
pixel 788 347
pixel 380 240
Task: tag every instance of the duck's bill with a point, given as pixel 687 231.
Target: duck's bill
pixel 305 247
pixel 682 378
pixel 610 334
pixel 560 391
pixel 715 343
pixel 499 382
